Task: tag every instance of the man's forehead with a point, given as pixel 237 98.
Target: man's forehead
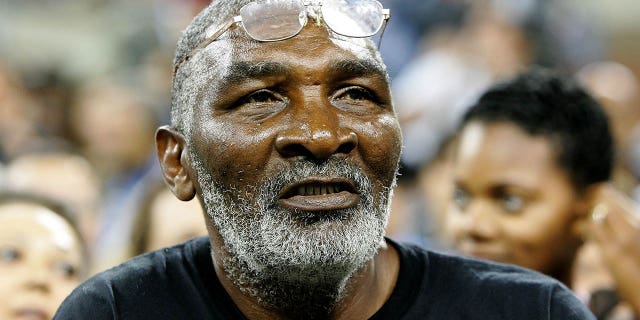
pixel 221 13
pixel 315 41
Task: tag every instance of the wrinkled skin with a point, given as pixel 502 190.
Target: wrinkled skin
pixel 308 98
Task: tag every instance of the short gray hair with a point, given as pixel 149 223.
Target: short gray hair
pixel 185 93
pixel 216 14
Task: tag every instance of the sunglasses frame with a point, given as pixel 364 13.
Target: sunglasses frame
pixel 386 15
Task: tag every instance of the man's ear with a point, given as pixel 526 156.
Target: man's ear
pixel 170 146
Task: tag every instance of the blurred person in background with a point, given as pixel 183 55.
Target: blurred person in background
pixel 112 125
pixel 3 176
pixel 19 117
pixel 163 221
pixel 42 256
pixel 114 128
pixel 103 39
pixel 466 48
pixel 564 34
pixel 435 185
pixel 53 94
pixel 406 225
pixel 460 59
pixel 530 166
pixel 64 176
pixel 615 235
pixel 413 20
pixel 617 89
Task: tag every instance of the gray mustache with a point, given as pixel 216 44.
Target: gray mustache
pixel 296 171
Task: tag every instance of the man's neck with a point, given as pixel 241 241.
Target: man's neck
pixel 362 293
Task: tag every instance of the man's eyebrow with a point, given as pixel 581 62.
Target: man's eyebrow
pixel 356 68
pixel 243 71
pixel 240 72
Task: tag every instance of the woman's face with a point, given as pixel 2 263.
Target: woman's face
pixel 40 261
pixel 512 203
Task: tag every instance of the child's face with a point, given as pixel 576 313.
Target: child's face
pixel 40 261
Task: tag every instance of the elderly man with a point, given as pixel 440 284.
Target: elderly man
pixel 282 123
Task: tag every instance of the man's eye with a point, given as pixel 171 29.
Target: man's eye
pixel 259 105
pixel 512 203
pixel 9 254
pixel 460 198
pixel 261 96
pixel 355 94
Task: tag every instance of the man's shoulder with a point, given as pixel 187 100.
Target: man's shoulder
pixel 158 262
pixel 145 281
pixel 445 283
pixel 470 268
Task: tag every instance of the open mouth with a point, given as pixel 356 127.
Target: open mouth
pixel 319 195
pixel 316 188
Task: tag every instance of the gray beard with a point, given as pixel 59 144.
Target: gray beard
pixel 295 262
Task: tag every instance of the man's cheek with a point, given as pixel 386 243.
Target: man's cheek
pixel 380 149
pixel 238 166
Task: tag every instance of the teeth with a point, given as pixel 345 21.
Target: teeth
pixel 319 189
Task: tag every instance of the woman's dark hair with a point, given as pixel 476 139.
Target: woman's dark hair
pixel 545 103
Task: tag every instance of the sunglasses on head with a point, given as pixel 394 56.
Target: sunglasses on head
pixel 276 20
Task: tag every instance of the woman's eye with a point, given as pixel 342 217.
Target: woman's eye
pixel 66 270
pixel 9 254
pixel 512 203
pixel 460 198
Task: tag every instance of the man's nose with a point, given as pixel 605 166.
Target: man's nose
pixel 316 134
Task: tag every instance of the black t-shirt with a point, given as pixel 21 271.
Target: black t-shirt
pixel 180 283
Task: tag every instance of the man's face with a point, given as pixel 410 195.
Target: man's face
pixel 512 202
pixel 295 151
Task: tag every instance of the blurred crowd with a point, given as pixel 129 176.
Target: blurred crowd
pixel 84 84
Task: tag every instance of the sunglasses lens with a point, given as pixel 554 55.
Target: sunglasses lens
pixel 273 20
pixel 353 18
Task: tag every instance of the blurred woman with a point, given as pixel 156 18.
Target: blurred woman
pixel 531 165
pixel 42 257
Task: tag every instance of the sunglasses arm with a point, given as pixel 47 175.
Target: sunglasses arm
pixel 386 15
pixel 207 42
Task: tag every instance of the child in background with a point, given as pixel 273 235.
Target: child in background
pixel 42 257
